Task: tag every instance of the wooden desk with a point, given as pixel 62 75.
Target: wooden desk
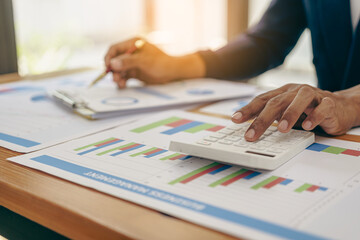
pixel 82 213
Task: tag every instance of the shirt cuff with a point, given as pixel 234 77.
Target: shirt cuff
pixel 213 64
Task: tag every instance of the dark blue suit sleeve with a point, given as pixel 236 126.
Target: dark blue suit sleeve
pixel 263 46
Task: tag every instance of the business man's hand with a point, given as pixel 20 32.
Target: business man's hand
pixel 150 64
pixel 334 112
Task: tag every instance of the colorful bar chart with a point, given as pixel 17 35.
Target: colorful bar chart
pixel 271 182
pixel 197 173
pixel 122 149
pixel 176 156
pixel 231 178
pixel 149 152
pixel 98 145
pixel 177 125
pixel 318 147
pixel 310 188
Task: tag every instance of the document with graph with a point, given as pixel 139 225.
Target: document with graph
pixel 29 120
pixel 106 102
pixel 133 162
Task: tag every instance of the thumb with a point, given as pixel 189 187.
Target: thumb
pixel 124 63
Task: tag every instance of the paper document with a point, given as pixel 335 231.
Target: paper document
pixel 31 121
pixel 133 162
pixel 108 101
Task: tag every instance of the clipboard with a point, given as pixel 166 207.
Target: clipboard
pixel 105 102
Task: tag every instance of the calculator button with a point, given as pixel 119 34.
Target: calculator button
pixel 257 147
pixel 226 131
pixel 226 142
pixel 232 138
pixel 202 142
pixel 218 135
pixel 236 127
pixel 211 139
pixel 239 134
pixel 265 143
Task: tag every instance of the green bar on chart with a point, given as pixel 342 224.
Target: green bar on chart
pixel 224 179
pixel 334 150
pixel 93 144
pixel 155 125
pixel 263 183
pixel 303 188
pixel 193 173
pixel 113 149
pixel 170 156
pixel 143 152
pixel 200 128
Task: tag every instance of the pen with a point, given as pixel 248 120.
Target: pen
pixel 137 45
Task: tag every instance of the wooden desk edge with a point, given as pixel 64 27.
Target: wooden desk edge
pixel 84 213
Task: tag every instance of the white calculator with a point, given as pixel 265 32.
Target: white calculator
pixel 228 145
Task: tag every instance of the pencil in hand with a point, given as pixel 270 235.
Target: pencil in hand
pixel 137 45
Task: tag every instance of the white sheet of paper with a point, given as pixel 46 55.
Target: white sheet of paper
pixel 132 162
pixel 31 121
pixel 354 131
pixel 109 100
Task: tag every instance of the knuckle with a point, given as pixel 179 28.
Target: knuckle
pixel 290 114
pixel 304 88
pixel 289 85
pixel 260 98
pixel 274 102
pixel 259 124
pixel 329 101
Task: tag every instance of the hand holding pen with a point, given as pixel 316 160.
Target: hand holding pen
pixel 150 64
pixel 136 46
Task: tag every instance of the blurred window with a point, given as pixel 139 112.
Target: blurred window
pixel 63 34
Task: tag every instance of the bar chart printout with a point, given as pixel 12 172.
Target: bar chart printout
pixel 276 203
pixel 133 149
pixel 177 124
pixel 242 174
pixel 318 147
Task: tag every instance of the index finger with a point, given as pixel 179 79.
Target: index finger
pixel 252 109
pixel 118 49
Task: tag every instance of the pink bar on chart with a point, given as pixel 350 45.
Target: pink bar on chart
pixel 313 188
pixel 275 182
pixel 153 151
pixel 178 123
pixel 202 173
pixel 215 129
pixel 351 152
pixel 234 179
pixel 5 90
pixel 178 157
pixel 104 143
pixel 128 147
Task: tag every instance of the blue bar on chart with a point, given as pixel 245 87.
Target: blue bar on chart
pixel 182 128
pixel 286 182
pixel 98 145
pixel 127 149
pixel 252 175
pixel 154 153
pixel 220 169
pixel 17 140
